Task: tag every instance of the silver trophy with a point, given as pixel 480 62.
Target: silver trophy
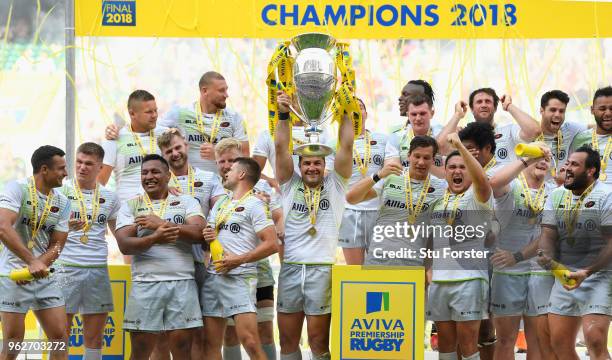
pixel 314 76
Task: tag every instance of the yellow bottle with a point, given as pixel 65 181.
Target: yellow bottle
pixel 560 271
pixel 528 150
pixel 23 274
pixel 216 250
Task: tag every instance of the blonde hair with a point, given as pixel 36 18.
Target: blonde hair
pixel 228 144
pixel 163 140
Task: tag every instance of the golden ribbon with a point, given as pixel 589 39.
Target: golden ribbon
pixel 553 170
pixel 606 154
pixel 414 212
pixel 152 141
pixel 447 194
pixel 35 223
pixel 190 181
pixel 214 126
pixel 536 204
pixel 363 164
pixel 312 198
pixel 571 212
pixel 95 207
pixel 162 208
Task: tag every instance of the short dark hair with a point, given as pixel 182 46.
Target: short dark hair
pixel 451 155
pixel 488 91
pixel 603 92
pixel 139 96
pixel 481 134
pixel 251 167
pixel 153 157
pixel 554 94
pixel 419 99
pixel 91 148
pixel 208 77
pixel 592 160
pixel 423 141
pixel 44 156
pixel 427 89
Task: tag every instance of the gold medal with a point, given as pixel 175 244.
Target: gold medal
pixel 603 177
pixel 30 244
pixel 312 231
pixel 84 239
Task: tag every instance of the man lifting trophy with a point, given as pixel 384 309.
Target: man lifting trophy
pixel 313 203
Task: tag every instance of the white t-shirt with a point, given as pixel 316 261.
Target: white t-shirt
pixel 398 144
pixel 393 211
pixel 581 248
pixel 15 197
pixel 184 118
pixel 506 138
pixel 161 262
pixel 586 137
pixel 238 235
pixel 301 247
pixel 378 143
pixel 95 251
pixel 516 230
pixel 206 185
pixel 470 212
pixel 125 157
pixel 265 146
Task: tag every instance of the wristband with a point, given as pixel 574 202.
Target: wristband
pixel 283 116
pixel 518 256
pixel 375 178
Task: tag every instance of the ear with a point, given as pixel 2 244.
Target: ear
pixel 541 110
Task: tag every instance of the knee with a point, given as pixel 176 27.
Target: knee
pixel 595 339
pixel 289 341
pixel 319 342
pixel 93 341
pixel 250 343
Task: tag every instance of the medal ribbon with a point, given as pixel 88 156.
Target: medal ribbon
pixel 536 204
pixel 363 165
pixel 413 212
pixel 490 164
pixel 152 141
pixel 607 149
pixel 312 198
pixel 571 212
pixel 226 211
pixel 35 223
pixel 458 197
pixel 214 126
pixel 95 205
pixel 190 181
pixel 553 170
pixel 162 208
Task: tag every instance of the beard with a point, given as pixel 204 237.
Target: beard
pixel 580 182
pixel 600 124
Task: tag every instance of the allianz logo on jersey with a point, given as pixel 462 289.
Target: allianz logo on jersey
pixel 380 329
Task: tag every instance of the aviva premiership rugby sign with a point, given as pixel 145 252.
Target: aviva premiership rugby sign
pixel 377 312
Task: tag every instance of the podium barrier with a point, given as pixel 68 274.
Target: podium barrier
pixel 378 312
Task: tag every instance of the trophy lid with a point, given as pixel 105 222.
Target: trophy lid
pixel 313 40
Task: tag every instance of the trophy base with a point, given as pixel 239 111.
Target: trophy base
pixel 313 149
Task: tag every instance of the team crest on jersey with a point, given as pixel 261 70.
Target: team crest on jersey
pixel 502 153
pixel 240 209
pixel 101 219
pixel 430 190
pixel 102 201
pixel 590 204
pixel 198 184
pixel 178 219
pixel 225 124
pixel 175 203
pixel 377 159
pixel 498 136
pixel 324 204
pixel 425 206
pixel 373 142
pixel 54 209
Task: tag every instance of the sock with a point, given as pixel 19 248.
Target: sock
pixel 447 356
pixel 270 350
pixel 474 356
pixel 92 354
pixel 232 352
pixel 293 356
pixel 325 356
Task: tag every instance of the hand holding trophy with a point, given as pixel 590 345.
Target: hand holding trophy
pixel 311 77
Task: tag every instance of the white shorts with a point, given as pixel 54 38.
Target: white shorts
pixel 86 290
pixel 458 301
pixel 356 228
pixel 304 288
pixel 228 295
